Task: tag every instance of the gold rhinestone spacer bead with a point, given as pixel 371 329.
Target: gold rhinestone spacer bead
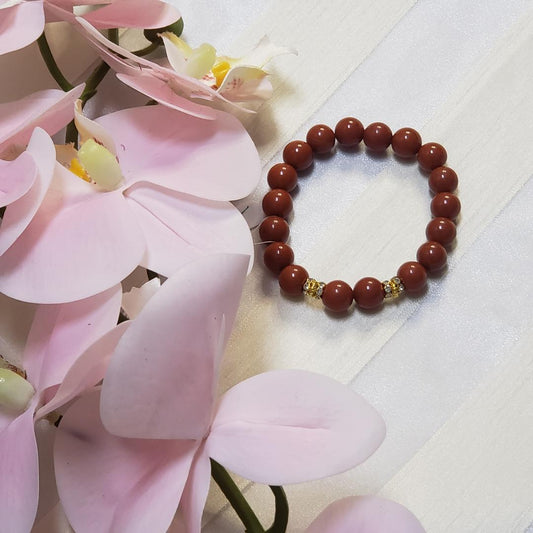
pixel 393 287
pixel 313 288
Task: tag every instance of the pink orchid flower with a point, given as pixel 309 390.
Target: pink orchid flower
pixel 142 445
pixel 155 191
pixel 365 514
pixel 22 21
pixel 50 376
pixel 191 73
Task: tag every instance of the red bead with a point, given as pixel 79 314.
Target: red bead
pixel 413 276
pixel 282 176
pixel 321 139
pixel 432 256
pixel 441 230
pixel 277 256
pixel 406 142
pixel 445 205
pixel 298 154
pixel 292 279
pixel 277 202
pixel 378 136
pixel 349 131
pixel 274 229
pixel 442 179
pixel 431 155
pixel 337 296
pixel 368 293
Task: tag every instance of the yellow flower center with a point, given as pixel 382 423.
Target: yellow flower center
pixel 219 71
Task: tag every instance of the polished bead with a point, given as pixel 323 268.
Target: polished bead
pixel 337 296
pixel 277 202
pixel 441 230
pixel 368 293
pixel 445 205
pixel 413 276
pixel 321 139
pixel 292 279
pixel 349 131
pixel 431 155
pixel 406 142
pixel 277 256
pixel 442 179
pixel 274 229
pixel 432 256
pixel 377 136
pixel 298 154
pixel 282 176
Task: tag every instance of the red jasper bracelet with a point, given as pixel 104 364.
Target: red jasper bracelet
pixel 368 293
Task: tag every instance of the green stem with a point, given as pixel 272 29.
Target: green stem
pixel 112 35
pixel 51 64
pixel 236 498
pixel 281 518
pixel 152 47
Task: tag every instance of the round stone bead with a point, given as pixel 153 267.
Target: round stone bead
pixel 445 205
pixel 274 229
pixel 277 256
pixel 321 139
pixel 292 279
pixel 298 154
pixel 349 131
pixel 337 296
pixel 277 202
pixel 432 256
pixel 282 176
pixel 378 136
pixel 413 276
pixel 431 155
pixel 441 230
pixel 406 142
pixel 368 293
pixel 442 179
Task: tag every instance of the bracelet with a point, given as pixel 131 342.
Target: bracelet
pixel 368 292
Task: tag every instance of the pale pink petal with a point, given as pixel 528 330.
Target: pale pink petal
pixel 20 25
pixel 20 213
pixel 291 426
pixel 161 379
pixel 79 243
pixel 179 228
pixel 45 433
pixel 213 159
pixel 108 483
pixel 365 514
pixel 134 300
pixel 16 177
pixel 243 84
pixel 87 371
pixel 19 473
pixel 195 493
pixel 89 129
pixel 60 333
pixel 133 14
pixel 51 110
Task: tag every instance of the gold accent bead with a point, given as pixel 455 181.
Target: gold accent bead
pixel 393 287
pixel 313 288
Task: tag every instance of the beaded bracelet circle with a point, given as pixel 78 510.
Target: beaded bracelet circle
pixel 368 292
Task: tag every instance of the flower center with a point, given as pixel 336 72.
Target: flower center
pixel 15 391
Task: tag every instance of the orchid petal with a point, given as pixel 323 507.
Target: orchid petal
pixel 16 177
pixel 87 371
pixel 262 53
pixel 89 129
pixel 133 14
pixel 20 25
pixel 61 333
pixel 131 485
pixel 243 84
pixel 50 110
pixel 134 300
pixel 291 426
pixel 162 377
pixel 175 54
pixel 365 514
pixel 79 243
pixel 185 153
pixel 21 212
pixel 19 472
pixel 179 228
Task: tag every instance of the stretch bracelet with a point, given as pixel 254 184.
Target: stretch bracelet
pixel 368 292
